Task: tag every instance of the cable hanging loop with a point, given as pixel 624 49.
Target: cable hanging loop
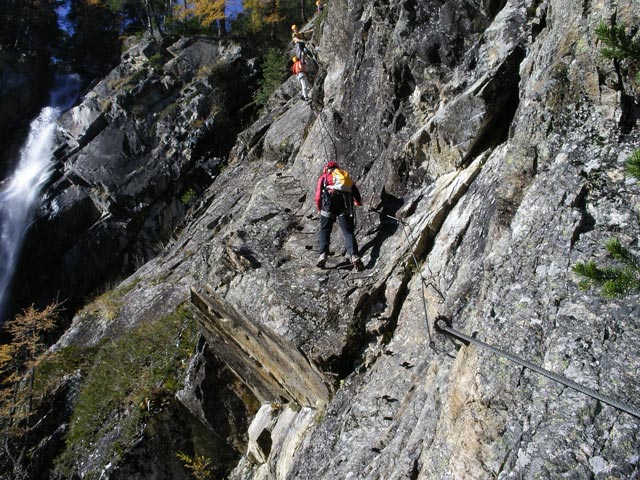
pixel 423 281
pixel 443 325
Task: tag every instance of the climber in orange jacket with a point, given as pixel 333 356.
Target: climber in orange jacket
pixel 300 72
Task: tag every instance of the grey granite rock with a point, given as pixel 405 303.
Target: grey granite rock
pixel 136 152
pixel 492 137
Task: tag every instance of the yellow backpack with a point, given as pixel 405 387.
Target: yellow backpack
pixel 341 180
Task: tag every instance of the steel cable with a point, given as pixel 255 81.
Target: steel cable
pixel 443 325
pixel 423 280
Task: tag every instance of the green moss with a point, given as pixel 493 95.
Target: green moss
pixel 204 71
pixel 109 304
pixel 157 62
pixel 135 78
pixel 139 111
pixel 105 105
pixel 169 112
pixel 52 369
pixel 188 197
pixel 130 378
pixel 127 82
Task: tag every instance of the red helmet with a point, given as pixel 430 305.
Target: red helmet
pixel 329 166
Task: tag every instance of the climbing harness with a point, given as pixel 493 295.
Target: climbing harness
pixel 443 324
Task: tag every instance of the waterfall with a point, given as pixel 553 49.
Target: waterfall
pixel 21 191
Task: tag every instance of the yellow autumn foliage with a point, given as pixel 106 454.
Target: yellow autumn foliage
pixel 206 11
pixel 263 11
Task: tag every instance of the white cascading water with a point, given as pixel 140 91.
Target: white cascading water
pixel 21 193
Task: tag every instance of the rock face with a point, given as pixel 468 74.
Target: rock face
pixel 491 136
pixel 134 155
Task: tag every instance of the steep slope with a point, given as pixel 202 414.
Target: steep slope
pixel 132 156
pixel 497 134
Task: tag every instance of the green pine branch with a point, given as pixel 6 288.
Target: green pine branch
pixel 593 275
pixel 622 254
pixel 614 282
pixel 633 162
pixel 625 284
pixel 618 44
pixel 624 279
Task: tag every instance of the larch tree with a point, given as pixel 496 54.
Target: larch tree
pixel 18 362
pixel 274 15
pixel 257 10
pixel 209 11
pixel 205 12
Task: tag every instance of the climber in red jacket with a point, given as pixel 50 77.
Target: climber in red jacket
pixel 336 195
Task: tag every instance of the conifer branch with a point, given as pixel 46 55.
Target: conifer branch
pixel 625 284
pixel 614 281
pixel 622 254
pixel 618 45
pixel 593 274
pixel 633 162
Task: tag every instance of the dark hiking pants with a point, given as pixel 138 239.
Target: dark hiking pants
pixel 347 227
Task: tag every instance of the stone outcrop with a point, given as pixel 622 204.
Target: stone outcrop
pixel 490 137
pixel 273 368
pixel 133 156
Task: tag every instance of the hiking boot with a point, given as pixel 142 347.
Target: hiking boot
pixel 322 260
pixel 357 263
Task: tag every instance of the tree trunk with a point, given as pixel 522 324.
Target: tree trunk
pixel 185 5
pixel 222 27
pixel 148 17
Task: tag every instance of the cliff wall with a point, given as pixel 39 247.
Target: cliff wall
pixel 491 138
